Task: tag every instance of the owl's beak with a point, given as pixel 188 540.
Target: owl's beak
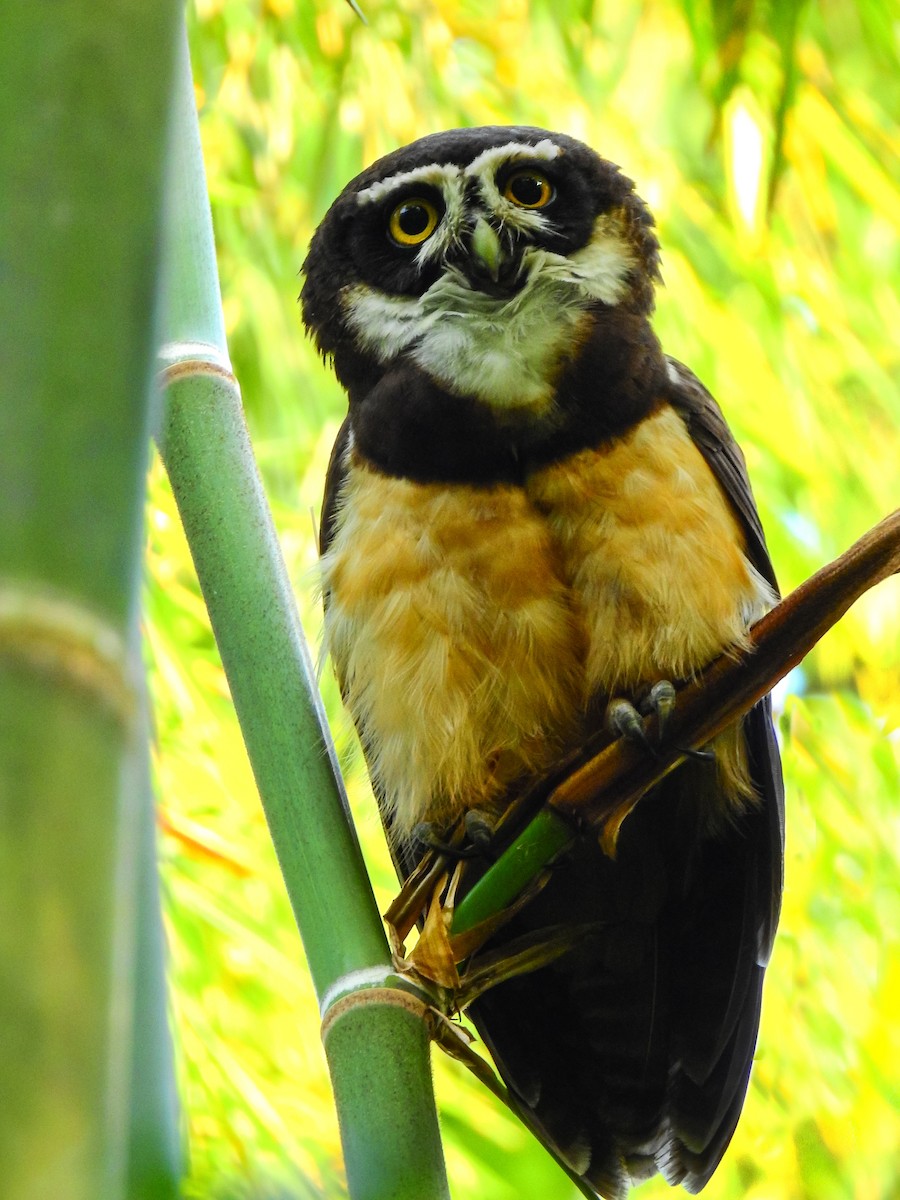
pixel 486 248
pixel 491 268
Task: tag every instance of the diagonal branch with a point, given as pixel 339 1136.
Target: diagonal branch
pixel 606 787
pixel 606 779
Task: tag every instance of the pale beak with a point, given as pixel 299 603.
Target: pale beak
pixel 493 266
pixel 486 248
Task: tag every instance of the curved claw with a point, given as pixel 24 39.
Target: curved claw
pixel 479 829
pixel 427 835
pixel 660 700
pixel 623 718
pixel 706 756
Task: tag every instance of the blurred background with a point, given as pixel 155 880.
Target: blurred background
pixel 765 138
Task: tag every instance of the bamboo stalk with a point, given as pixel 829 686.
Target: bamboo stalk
pixel 375 1027
pixel 155 1159
pixel 83 107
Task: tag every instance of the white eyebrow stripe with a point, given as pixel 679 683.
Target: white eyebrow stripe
pixel 485 167
pixel 437 175
pixel 491 158
pixel 446 235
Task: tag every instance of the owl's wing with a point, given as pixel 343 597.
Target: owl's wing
pixel 708 1093
pixel 334 479
pixel 713 438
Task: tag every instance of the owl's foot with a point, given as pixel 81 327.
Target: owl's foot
pixel 660 700
pixel 479 829
pixel 625 720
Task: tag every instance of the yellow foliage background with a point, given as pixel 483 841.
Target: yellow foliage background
pixel 765 138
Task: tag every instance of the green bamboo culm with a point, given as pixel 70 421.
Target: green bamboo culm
pixel 546 835
pixel 374 1026
pixel 84 93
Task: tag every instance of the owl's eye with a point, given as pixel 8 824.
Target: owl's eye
pixel 528 189
pixel 413 221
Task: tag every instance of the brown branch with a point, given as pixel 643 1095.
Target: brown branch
pixel 605 788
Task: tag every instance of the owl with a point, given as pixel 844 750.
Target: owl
pixel 530 512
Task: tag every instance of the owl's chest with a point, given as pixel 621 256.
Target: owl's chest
pixel 471 626
pixel 455 639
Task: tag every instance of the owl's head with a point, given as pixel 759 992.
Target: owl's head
pixel 480 254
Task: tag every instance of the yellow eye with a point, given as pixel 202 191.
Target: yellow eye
pixel 528 189
pixel 413 221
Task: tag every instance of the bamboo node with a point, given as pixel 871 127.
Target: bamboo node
pixel 58 636
pixel 364 997
pixel 180 359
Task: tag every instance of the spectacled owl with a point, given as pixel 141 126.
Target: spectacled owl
pixel 531 510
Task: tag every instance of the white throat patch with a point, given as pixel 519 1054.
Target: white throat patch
pixel 504 351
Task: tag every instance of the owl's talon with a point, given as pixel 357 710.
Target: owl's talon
pixel 623 718
pixel 427 835
pixel 706 756
pixel 479 829
pixel 660 700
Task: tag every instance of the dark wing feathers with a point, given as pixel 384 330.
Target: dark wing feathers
pixel 334 478
pixel 765 769
pixel 714 440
